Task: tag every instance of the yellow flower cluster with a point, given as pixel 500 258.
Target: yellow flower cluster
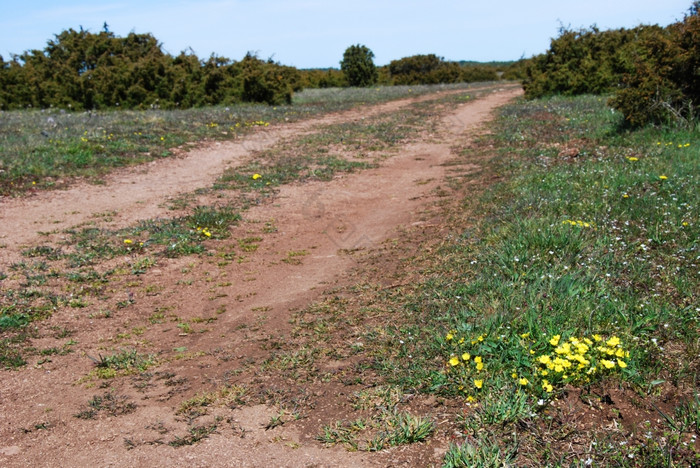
pixel 468 368
pixel 583 224
pixel 257 123
pixel 543 366
pixel 577 359
pixel 670 143
pixel 204 231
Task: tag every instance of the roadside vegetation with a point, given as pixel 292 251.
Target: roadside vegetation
pixel 549 318
pixel 651 70
pixel 572 302
pixel 48 149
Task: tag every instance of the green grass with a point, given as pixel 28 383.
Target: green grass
pixel 47 148
pixel 593 249
pixel 333 149
pixel 78 258
pixel 122 363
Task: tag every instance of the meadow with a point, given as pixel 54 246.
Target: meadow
pixel 553 315
pixel 44 149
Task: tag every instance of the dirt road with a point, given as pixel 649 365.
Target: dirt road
pixel 235 310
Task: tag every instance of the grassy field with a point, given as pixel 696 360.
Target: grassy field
pixel 561 298
pixel 580 276
pixel 36 286
pixel 43 149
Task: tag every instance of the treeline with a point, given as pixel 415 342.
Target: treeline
pixel 653 72
pixel 81 70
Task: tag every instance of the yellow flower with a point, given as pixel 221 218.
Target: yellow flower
pixel 514 375
pixel 448 337
pixel 128 241
pixel 555 340
pixel 525 335
pixel 544 359
pixel 614 341
pixel 466 356
pixel 454 361
pixel 597 337
pixel 607 364
pixel 523 381
pixel 547 387
pixel 621 363
pixel 632 158
pixel 256 176
pixel 479 365
pixel 663 177
pixel 478 383
pixel 471 399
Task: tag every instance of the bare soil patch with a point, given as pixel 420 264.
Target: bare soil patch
pixel 223 390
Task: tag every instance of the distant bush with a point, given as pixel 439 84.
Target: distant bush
pixel 663 84
pixel 424 69
pixel 267 81
pixel 358 66
pixel 83 70
pixel 652 71
pixel 320 78
pixel 473 73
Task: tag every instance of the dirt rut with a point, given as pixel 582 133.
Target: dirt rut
pixel 316 224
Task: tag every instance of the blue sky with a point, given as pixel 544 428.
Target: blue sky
pixel 314 33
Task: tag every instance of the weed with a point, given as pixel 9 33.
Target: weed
pixel 112 404
pixel 484 453
pixel 195 434
pixel 122 363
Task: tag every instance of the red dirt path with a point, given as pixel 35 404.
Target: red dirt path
pixel 325 220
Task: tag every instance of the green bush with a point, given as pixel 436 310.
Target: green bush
pixel 582 62
pixel 80 70
pixel 424 69
pixel 663 85
pixel 268 82
pixel 358 66
pixel 652 71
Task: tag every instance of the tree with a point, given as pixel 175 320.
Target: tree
pixel 358 66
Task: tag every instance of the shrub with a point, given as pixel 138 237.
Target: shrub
pixel 663 85
pixel 267 82
pixel 424 69
pixel 358 66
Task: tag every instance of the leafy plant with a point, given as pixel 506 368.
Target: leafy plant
pixel 358 66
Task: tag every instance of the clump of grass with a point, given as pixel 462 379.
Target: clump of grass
pixel 122 363
pixel 483 453
pixel 387 429
pixel 110 403
pixel 195 434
